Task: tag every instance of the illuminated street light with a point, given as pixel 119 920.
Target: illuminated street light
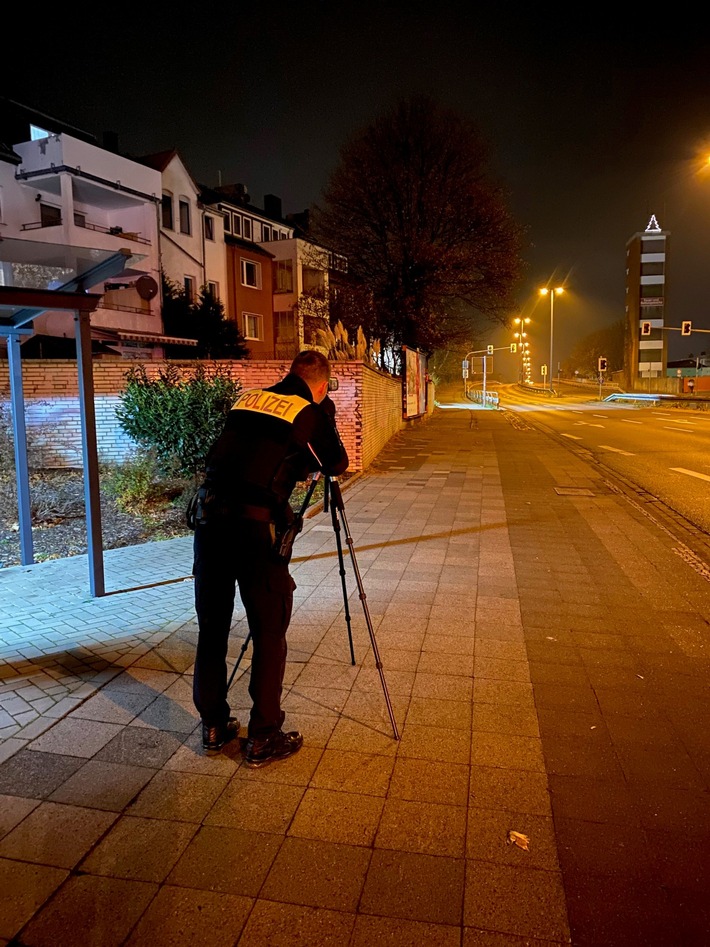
pixel 520 322
pixel 546 291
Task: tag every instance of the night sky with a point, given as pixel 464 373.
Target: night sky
pixel 593 123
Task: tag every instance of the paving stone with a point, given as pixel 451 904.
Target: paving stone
pixel 90 911
pixel 286 925
pixel 36 774
pixel 179 916
pixel 25 888
pixel 225 859
pixel 54 834
pixel 416 894
pixel 317 873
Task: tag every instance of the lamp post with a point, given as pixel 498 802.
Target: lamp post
pixel 519 336
pixel 546 291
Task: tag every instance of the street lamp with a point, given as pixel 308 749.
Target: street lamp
pixel 546 291
pixel 521 334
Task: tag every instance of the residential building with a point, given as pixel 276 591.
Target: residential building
pixel 192 253
pixel 58 186
pixel 248 233
pixel 249 294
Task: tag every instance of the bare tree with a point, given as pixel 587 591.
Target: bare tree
pixel 430 243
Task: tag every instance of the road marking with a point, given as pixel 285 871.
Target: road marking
pixel 589 424
pixel 573 436
pixel 629 421
pixel 683 429
pixel 602 416
pixel 691 473
pixel 617 450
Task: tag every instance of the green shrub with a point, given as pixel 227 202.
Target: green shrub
pixel 175 417
pixel 7 450
pixel 134 483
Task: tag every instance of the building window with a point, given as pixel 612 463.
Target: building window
pixel 36 133
pixel 209 227
pixel 79 219
pixel 237 225
pixel 50 216
pixel 189 284
pixel 227 219
pixel 213 290
pixel 267 233
pixel 246 233
pixel 251 274
pixel 184 210
pixel 167 208
pixel 252 326
pixel 283 276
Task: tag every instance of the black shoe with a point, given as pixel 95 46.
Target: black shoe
pixel 214 738
pixel 276 747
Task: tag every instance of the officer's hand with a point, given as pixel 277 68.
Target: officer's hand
pixel 329 407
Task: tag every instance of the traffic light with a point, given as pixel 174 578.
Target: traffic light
pixel 686 327
pixel 645 328
pixel 490 349
pixel 602 363
pixel 513 347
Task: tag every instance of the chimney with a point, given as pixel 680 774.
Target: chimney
pixel 272 206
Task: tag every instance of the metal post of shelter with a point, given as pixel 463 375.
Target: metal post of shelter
pixel 92 494
pixel 19 432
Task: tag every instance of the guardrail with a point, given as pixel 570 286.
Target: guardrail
pixel 637 396
pixel 490 399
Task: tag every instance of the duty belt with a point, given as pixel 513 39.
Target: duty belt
pixel 247 512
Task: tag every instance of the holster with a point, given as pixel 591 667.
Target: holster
pixel 286 533
pixel 198 509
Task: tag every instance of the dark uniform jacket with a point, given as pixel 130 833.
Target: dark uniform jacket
pixel 272 439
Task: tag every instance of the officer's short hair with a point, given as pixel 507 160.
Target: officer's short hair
pixel 312 366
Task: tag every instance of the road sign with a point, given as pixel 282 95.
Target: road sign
pixel 601 364
pixel 490 350
pixel 543 371
pixel 465 373
pixel 686 327
pixel 645 328
pixel 513 347
pixel 465 365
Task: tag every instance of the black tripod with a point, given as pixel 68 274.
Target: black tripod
pixel 333 499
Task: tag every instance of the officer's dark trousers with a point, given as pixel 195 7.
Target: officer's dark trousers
pixel 228 553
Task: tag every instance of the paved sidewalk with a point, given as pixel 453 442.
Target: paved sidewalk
pixel 544 638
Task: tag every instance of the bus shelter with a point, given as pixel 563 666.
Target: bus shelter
pixel 36 278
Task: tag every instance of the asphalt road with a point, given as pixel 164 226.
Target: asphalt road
pixel 663 450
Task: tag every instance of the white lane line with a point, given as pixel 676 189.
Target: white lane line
pixel 691 473
pixel 573 436
pixel 629 421
pixel 617 450
pixel 683 429
pixel 589 424
pixel 602 416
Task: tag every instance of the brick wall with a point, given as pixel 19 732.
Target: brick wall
pixel 368 404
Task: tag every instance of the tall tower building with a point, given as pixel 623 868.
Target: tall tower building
pixel 646 351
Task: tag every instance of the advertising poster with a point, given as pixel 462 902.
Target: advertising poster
pixel 415 373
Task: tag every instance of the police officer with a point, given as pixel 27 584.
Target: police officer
pixel 272 439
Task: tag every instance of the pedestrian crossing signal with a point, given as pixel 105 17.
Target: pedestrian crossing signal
pixel 686 327
pixel 645 328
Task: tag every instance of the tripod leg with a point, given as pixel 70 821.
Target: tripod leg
pixel 337 502
pixel 336 529
pixel 241 655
